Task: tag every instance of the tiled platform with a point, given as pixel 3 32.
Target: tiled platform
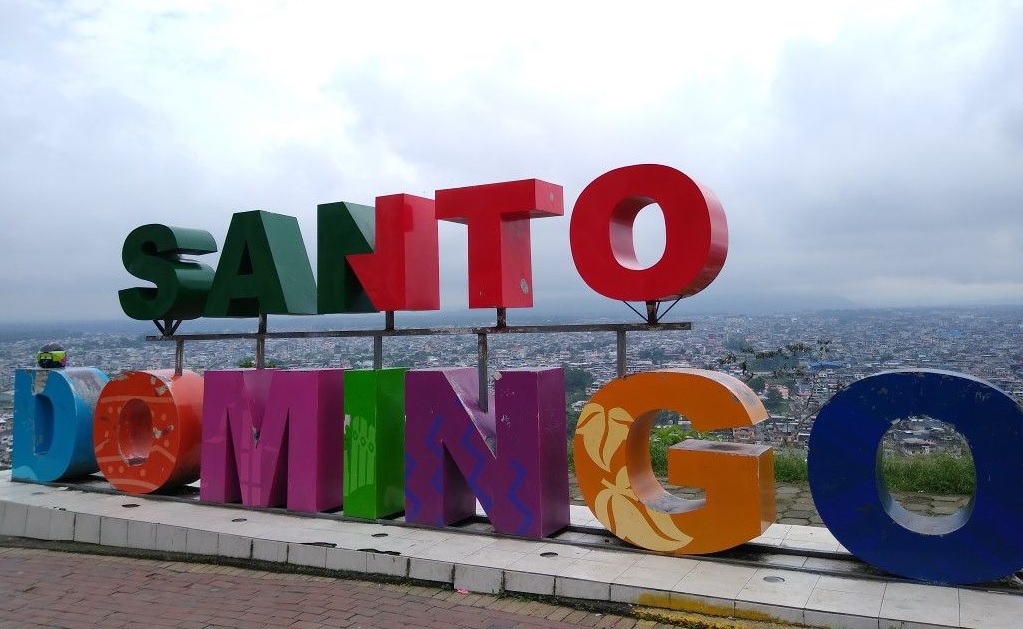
pixel 810 590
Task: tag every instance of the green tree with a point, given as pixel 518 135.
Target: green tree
pixel 576 382
pixel 666 418
pixel 786 365
pixel 249 363
pixel 774 401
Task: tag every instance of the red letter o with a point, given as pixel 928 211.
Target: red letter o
pixel 695 242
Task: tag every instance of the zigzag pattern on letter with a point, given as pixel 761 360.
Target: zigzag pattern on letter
pixel 527 515
pixel 484 496
pixel 432 437
pixel 433 443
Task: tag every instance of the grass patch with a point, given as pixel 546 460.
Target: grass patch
pixel 930 473
pixel 790 467
pixel 940 473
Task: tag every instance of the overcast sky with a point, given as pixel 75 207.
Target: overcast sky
pixel 866 154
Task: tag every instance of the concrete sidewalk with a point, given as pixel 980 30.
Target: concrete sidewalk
pixel 791 574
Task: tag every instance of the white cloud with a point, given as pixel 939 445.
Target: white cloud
pixel 865 152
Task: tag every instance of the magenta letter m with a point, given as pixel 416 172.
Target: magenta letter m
pixel 271 438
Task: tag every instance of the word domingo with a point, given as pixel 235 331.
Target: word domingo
pixel 385 257
pixel 417 442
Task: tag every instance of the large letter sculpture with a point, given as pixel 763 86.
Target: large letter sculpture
pixel 374 442
pixel 695 232
pixel 981 541
pixel 274 437
pixel 264 269
pixel 612 462
pixel 154 253
pixel 511 458
pixel 53 423
pixel 497 216
pixel 148 429
pixel 378 258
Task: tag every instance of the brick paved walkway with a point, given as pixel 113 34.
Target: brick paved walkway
pixel 45 588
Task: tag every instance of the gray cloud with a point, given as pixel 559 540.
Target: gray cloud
pixel 873 163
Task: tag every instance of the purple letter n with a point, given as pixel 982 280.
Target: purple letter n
pixel 513 458
pixel 271 438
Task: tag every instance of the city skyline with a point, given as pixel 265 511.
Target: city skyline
pixel 980 342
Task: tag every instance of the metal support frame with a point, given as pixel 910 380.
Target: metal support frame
pixel 261 342
pixel 653 314
pixel 482 365
pixel 179 356
pixel 482 333
pixel 378 341
pixel 167 327
pixel 621 352
pixel 378 352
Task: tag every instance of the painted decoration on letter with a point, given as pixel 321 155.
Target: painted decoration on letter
pixel 148 429
pixel 511 458
pixel 612 461
pixel 374 479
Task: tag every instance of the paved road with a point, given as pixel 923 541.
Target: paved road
pixel 47 588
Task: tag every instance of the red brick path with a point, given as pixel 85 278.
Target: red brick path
pixel 45 588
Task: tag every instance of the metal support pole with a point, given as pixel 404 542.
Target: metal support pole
pixel 651 312
pixel 378 340
pixel 621 351
pixel 261 342
pixel 502 317
pixel 481 361
pixel 179 357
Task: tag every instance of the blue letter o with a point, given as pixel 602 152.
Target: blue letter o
pixel 982 541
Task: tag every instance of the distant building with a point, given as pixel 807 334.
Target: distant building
pixel 915 445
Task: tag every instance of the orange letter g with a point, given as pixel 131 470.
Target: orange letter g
pixel 612 462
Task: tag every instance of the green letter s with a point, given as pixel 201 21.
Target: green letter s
pixel 153 253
